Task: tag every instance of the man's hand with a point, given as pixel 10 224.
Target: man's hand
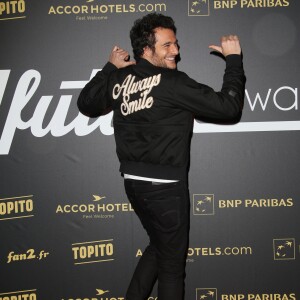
pixel 120 58
pixel 230 44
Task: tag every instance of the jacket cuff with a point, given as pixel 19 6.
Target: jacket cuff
pixel 234 60
pixel 108 68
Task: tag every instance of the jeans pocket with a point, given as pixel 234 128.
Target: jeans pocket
pixel 164 213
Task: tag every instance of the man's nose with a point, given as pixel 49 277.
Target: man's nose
pixel 175 49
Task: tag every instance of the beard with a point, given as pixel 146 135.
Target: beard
pixel 162 61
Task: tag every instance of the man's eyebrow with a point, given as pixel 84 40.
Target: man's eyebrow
pixel 166 43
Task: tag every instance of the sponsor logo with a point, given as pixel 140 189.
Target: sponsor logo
pixel 194 252
pixel 198 8
pixel 93 252
pixel 206 294
pixel 93 10
pixel 11 10
pixel 27 294
pixel 284 249
pixel 100 295
pixel 202 7
pixel 98 209
pixel 256 296
pixel 103 295
pixel 57 126
pixel 16 208
pixel 30 254
pixel 203 204
pixel 101 292
pixel 227 4
pixel 212 294
pixel 219 251
pixel 256 203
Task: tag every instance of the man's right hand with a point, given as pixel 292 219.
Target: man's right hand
pixel 120 58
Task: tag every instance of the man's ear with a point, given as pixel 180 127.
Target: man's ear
pixel 147 52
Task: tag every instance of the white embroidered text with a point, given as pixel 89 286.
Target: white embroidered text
pixel 129 87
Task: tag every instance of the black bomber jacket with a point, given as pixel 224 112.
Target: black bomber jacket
pixel 154 110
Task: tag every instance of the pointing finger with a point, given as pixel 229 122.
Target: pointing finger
pixel 216 48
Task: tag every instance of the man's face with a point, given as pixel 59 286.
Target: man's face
pixel 166 49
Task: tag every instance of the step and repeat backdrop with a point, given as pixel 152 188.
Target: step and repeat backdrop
pixel 67 230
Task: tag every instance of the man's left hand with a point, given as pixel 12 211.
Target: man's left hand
pixel 230 44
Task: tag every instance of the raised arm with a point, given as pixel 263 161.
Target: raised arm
pixel 225 105
pixel 94 99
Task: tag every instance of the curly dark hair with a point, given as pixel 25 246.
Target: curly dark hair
pixel 142 33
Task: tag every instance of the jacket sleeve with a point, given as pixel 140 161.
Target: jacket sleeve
pixel 204 102
pixel 94 99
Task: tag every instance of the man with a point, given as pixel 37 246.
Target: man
pixel 154 105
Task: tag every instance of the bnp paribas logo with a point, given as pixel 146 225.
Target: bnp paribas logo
pixel 284 249
pixel 203 204
pixel 206 294
pixel 198 8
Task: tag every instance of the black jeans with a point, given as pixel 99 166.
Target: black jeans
pixel 163 209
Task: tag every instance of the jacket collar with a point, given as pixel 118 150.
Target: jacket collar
pixel 145 62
